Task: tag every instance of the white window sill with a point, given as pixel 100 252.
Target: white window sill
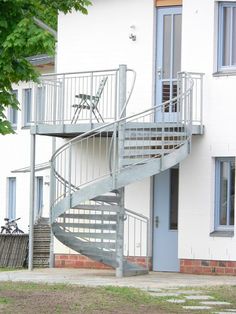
pixel 222 233
pixel 225 73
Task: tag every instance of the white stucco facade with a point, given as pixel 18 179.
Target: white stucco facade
pixel 101 40
pixel 197 172
pixel 15 155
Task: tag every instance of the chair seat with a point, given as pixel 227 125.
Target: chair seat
pixel 84 97
pixel 82 106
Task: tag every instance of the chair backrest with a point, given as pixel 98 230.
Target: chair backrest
pixel 100 88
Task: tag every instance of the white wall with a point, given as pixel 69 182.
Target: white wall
pixel 15 154
pixel 100 40
pixel 196 189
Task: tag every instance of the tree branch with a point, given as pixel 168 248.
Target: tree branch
pixel 45 27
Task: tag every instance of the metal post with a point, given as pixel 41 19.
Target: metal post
pixel 122 90
pixel 32 196
pixel 91 100
pixel 120 219
pixel 52 198
pixel 120 236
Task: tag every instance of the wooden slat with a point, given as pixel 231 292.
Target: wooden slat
pixel 167 3
pixel 13 250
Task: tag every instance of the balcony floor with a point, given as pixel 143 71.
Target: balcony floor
pixel 73 130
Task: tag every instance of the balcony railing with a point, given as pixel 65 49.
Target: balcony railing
pixel 59 96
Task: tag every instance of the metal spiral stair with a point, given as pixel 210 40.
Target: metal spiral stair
pixel 91 171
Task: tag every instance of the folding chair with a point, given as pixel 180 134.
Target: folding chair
pixel 88 101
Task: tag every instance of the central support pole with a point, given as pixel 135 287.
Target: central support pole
pixel 121 214
pixel 52 198
pixel 32 202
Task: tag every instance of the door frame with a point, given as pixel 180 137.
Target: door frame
pixel 161 7
pixel 159 59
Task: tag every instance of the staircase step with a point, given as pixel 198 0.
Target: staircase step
pixel 133 133
pixel 167 126
pixel 96 226
pixel 98 207
pixel 90 235
pixel 150 143
pixel 99 217
pixel 107 198
pixel 141 152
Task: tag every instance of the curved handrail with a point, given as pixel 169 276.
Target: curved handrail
pixel 107 125
pixel 86 141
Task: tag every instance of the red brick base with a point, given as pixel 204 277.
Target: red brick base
pixel 81 261
pixel 211 267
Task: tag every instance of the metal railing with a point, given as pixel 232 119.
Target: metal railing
pixel 111 149
pixel 197 97
pixel 89 157
pixel 58 96
pixel 136 233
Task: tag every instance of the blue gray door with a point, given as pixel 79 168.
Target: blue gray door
pixel 165 235
pixel 168 61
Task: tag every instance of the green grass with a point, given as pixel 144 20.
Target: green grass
pixel 9 269
pixel 4 300
pixel 63 298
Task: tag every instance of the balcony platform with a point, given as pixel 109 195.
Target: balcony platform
pixel 73 130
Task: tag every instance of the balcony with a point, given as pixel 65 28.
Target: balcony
pixel 69 104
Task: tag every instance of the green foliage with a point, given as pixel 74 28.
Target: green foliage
pixel 20 38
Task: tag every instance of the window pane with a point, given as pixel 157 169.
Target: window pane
pixel 166 46
pixel 223 192
pixel 11 206
pixel 234 38
pixel 226 36
pixel 177 45
pixel 174 190
pixel 27 106
pixel 40 104
pixel 13 113
pixel 232 192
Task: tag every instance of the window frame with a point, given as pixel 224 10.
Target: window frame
pixel 218 226
pixel 39 182
pixel 11 111
pixel 27 108
pixel 11 198
pixel 220 66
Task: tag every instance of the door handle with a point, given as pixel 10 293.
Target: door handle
pixel 159 73
pixel 157 221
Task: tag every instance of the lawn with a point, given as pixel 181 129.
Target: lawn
pixel 60 298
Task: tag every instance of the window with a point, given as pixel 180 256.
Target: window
pixel 27 104
pixel 38 197
pixel 227 36
pixel 40 104
pixel 11 197
pixel 224 193
pixel 13 113
pixel 174 195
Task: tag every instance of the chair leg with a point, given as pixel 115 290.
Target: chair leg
pixel 100 115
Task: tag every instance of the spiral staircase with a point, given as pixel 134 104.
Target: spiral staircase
pixel 90 172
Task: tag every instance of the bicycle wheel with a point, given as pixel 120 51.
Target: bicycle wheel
pixel 5 230
pixel 17 231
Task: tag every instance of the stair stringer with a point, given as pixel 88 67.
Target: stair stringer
pixel 127 176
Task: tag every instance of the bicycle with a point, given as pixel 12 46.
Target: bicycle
pixel 11 227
